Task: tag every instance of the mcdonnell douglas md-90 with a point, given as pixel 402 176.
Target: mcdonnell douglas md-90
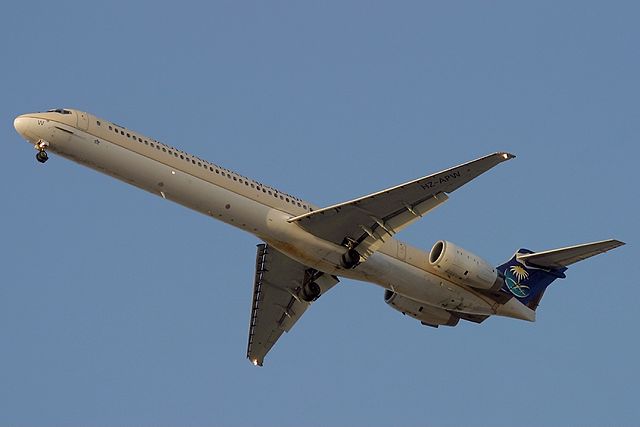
pixel 307 248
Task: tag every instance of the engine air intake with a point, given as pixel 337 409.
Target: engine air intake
pixel 464 266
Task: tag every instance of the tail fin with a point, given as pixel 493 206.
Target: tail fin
pixel 525 282
pixel 528 274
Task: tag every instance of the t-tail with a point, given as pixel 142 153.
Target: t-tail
pixel 528 274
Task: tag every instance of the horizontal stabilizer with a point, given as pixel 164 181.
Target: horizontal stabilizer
pixel 564 257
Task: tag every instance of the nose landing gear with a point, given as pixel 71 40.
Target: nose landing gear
pixel 42 155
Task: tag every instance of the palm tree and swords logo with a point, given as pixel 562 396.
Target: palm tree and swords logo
pixel 514 276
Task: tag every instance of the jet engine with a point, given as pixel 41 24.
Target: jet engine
pixel 461 264
pixel 426 314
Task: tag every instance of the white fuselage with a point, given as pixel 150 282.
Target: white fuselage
pixel 246 204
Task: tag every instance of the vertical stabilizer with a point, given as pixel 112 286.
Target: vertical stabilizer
pixel 525 282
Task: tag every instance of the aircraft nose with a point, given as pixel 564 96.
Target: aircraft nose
pixel 23 124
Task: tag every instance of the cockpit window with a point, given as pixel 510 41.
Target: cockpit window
pixel 60 111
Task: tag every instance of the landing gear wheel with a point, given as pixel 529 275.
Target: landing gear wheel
pixel 42 156
pixel 310 291
pixel 350 259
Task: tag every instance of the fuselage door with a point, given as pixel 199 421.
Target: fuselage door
pixel 83 120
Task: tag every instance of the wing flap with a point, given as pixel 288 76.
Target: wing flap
pixel 564 257
pixel 380 230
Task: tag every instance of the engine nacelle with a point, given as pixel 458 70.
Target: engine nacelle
pixel 426 314
pixel 461 264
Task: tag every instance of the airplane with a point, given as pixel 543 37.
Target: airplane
pixel 307 248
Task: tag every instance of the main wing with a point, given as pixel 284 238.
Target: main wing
pixel 365 223
pixel 277 298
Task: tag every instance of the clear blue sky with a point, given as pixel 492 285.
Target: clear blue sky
pixel 118 308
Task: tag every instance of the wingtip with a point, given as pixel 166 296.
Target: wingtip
pixel 613 242
pixel 256 361
pixel 506 156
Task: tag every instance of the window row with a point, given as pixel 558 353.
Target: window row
pixel 206 165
